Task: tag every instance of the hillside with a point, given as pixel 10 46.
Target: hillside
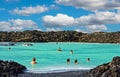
pixel 60 36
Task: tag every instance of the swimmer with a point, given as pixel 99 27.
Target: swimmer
pixel 88 59
pixel 59 49
pixel 71 51
pixel 75 61
pixel 68 60
pixel 33 61
pixel 9 48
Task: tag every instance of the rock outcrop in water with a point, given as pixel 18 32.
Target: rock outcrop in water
pixel 10 69
pixel 111 69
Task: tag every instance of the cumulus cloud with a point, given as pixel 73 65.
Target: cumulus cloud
pixel 54 7
pixel 91 5
pixel 99 18
pixel 58 20
pixel 96 28
pixel 18 25
pixel 30 10
pixel 4 26
pixel 80 30
pixel 92 22
pixel 53 29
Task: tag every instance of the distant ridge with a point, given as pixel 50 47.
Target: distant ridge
pixel 60 36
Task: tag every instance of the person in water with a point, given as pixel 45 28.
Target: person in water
pixel 88 59
pixel 59 49
pixel 71 51
pixel 76 61
pixel 68 60
pixel 33 61
pixel 9 48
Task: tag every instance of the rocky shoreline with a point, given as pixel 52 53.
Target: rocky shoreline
pixel 10 69
pixel 111 69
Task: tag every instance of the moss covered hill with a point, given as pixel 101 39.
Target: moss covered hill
pixel 60 36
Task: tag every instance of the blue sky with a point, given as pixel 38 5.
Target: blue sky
pixel 58 15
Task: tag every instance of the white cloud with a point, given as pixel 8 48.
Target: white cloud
pixel 99 18
pixel 91 5
pixel 58 20
pixel 53 29
pixel 54 7
pixel 18 25
pixel 30 10
pixel 80 30
pixel 96 28
pixel 4 26
pixel 92 22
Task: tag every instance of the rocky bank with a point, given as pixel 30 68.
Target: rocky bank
pixel 60 36
pixel 10 69
pixel 111 69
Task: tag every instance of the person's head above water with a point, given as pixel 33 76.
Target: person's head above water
pixel 71 51
pixel 88 59
pixel 68 60
pixel 33 60
pixel 76 61
pixel 59 49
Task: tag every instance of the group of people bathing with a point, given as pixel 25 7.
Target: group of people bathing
pixel 59 49
pixel 76 61
pixel 68 60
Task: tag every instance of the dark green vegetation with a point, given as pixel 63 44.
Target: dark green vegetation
pixel 60 36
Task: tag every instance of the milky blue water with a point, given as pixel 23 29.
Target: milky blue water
pixel 51 60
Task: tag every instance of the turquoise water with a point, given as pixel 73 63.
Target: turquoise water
pixel 51 60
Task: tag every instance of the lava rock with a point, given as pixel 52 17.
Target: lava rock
pixel 10 69
pixel 111 69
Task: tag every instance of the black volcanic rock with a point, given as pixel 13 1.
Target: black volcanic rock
pixel 10 69
pixel 111 69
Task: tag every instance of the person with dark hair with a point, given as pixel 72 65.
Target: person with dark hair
pixel 71 51
pixel 9 48
pixel 76 61
pixel 88 59
pixel 59 49
pixel 33 61
pixel 68 60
